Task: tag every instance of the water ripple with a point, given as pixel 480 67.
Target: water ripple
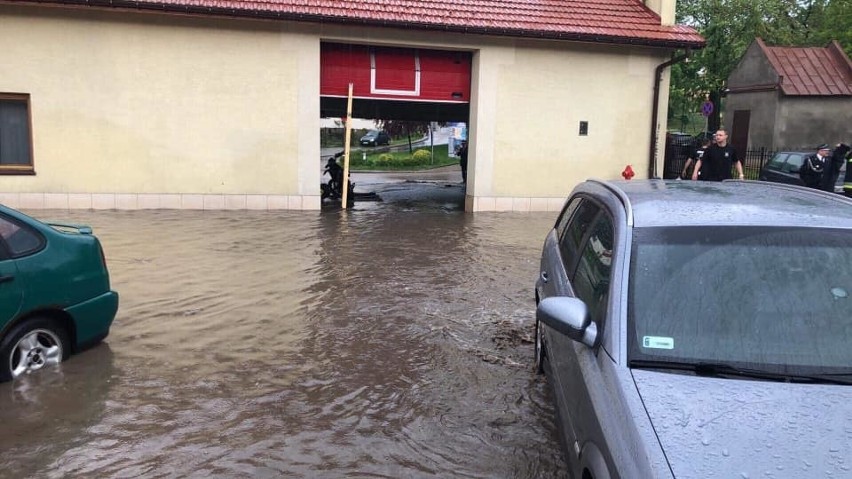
pixel 373 343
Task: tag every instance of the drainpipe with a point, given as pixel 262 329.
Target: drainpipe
pixel 655 110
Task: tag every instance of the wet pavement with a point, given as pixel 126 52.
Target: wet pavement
pixel 389 340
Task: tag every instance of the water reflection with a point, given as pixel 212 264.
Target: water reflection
pixel 389 341
pixel 43 415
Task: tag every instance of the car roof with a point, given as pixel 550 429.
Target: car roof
pixel 743 203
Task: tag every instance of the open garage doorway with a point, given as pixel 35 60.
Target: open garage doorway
pixel 410 114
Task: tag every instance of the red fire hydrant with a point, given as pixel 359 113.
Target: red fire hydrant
pixel 628 173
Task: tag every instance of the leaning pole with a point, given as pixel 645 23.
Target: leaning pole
pixel 348 136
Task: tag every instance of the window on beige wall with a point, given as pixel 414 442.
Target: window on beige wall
pixel 16 148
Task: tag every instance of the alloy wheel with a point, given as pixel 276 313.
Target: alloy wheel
pixel 35 350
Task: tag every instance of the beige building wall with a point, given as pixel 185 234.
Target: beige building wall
pixel 138 110
pixel 143 111
pixel 664 8
pixel 529 101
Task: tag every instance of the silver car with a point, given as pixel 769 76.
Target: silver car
pixel 699 330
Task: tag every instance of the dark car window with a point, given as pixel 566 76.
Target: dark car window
pixel 20 240
pixel 592 278
pixel 777 161
pixel 567 212
pixel 569 243
pixel 793 163
pixel 776 298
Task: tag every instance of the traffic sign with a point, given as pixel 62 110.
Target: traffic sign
pixel 707 108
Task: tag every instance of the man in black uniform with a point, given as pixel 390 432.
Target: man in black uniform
pixel 715 164
pixel 814 166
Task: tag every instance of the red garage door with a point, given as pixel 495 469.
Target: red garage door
pixel 385 73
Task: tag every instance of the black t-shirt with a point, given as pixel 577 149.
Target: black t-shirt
pixel 695 156
pixel 717 161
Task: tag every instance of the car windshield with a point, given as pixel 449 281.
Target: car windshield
pixel 774 298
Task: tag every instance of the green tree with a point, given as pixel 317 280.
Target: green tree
pixel 830 20
pixel 730 26
pixel 399 128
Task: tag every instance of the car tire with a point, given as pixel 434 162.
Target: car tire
pixel 538 349
pixel 32 345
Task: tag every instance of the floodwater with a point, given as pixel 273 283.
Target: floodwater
pixel 389 340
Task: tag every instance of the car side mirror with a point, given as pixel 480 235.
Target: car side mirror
pixel 568 316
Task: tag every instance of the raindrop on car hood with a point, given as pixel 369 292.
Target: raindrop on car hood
pixel 839 293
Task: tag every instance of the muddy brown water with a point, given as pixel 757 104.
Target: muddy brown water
pixel 390 340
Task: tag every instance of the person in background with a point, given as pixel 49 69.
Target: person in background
pixel 847 180
pixel 693 158
pixel 814 166
pixel 833 166
pixel 715 164
pixel 336 172
pixel 462 152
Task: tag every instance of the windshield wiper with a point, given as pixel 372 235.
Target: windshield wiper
pixel 722 369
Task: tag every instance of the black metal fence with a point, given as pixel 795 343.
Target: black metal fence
pixel 678 151
pixel 754 159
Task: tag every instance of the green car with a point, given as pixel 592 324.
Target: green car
pixel 55 297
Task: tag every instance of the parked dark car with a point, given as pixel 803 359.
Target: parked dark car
pixel 375 138
pixel 784 167
pixel 55 296
pixel 699 329
pixel 679 148
pixel 699 138
pixel 680 143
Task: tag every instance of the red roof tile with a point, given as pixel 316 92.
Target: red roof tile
pixel 609 21
pixel 824 71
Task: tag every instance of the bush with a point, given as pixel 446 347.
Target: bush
pixel 385 159
pixel 403 160
pixel 422 157
pixel 391 160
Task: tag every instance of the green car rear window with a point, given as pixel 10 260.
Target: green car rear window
pixel 20 240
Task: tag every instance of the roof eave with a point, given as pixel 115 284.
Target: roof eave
pixel 287 16
pixel 753 88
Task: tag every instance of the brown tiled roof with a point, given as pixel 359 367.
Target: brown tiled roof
pixel 608 21
pixel 823 71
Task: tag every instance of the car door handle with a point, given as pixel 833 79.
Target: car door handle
pixel 5 279
pixel 544 276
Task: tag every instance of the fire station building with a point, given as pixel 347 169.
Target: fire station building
pixel 216 104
